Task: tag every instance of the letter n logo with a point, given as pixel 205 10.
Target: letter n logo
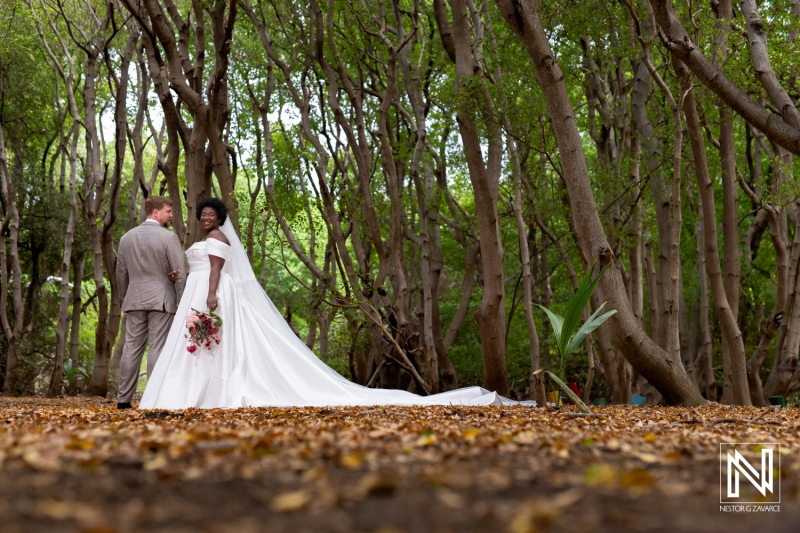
pixel 749 472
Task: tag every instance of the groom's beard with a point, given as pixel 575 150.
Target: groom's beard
pixel 167 223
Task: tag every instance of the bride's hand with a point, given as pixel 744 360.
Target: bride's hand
pixel 212 302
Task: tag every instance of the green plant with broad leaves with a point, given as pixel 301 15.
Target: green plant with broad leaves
pixel 71 371
pixel 569 332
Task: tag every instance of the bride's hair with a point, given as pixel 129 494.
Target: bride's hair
pixel 215 204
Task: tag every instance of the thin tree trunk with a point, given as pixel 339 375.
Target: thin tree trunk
pixel 730 228
pixel 652 290
pixel 773 324
pixel 704 361
pixel 694 333
pixel 54 388
pixel 77 308
pixel 687 356
pixel 12 327
pixel 785 363
pixel 783 130
pixel 659 285
pixel 527 281
pixel 646 357
pixel 484 176
pixel 735 364
pixel 466 298
pixel 635 250
pixel 67 76
pixel 104 257
pixel 545 296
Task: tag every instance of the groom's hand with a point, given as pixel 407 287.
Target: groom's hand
pixel 174 275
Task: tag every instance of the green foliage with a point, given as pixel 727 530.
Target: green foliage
pixel 566 329
pixel 34 121
pixel 582 407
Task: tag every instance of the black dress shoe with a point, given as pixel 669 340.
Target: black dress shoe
pixel 124 405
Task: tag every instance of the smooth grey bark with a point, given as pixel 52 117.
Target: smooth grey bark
pixel 77 309
pixel 484 176
pixel 525 259
pixel 54 388
pixel 67 76
pixel 645 356
pixel 704 363
pixel 773 324
pixel 727 152
pixel 762 67
pixel 466 296
pixel 661 200
pixel 636 279
pixel 164 28
pixel 735 364
pixel 652 289
pixel 784 367
pixel 12 325
pixel 784 130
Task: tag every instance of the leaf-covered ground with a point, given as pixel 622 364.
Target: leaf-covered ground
pixel 81 465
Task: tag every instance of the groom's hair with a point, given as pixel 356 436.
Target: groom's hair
pixel 217 205
pixel 154 202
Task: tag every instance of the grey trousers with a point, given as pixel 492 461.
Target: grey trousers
pixel 143 328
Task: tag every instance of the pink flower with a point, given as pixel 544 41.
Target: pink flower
pixel 203 330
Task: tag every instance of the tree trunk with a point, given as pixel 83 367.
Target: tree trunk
pixel 704 361
pixel 466 297
pixel 652 290
pixel 205 148
pixel 544 295
pixel 12 326
pixel 735 363
pixel 484 176
pixel 785 362
pixel 54 388
pixel 104 257
pixel 68 77
pixel 75 320
pixel 783 130
pixel 662 202
pixel 525 259
pixel 636 289
pixel 645 356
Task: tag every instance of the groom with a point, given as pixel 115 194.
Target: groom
pixel 149 263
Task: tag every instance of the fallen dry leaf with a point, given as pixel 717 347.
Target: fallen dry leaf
pixel 79 464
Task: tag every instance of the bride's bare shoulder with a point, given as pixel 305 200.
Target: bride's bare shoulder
pixel 218 235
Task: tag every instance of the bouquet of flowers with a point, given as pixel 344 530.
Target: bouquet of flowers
pixel 205 330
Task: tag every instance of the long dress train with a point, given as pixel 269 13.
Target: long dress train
pixel 260 361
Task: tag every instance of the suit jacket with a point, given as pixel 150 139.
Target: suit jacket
pixel 147 253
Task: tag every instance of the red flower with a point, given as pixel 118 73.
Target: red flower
pixel 204 330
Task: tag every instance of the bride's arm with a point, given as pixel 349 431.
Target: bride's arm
pixel 216 267
pixel 213 281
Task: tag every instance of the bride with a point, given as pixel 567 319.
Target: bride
pixel 259 361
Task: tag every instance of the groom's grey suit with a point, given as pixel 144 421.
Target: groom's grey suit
pixel 147 253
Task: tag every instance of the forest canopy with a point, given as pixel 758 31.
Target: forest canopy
pixel 414 180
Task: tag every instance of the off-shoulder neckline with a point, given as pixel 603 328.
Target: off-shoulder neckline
pixel 214 239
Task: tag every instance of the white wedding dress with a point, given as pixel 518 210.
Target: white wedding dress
pixel 259 361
